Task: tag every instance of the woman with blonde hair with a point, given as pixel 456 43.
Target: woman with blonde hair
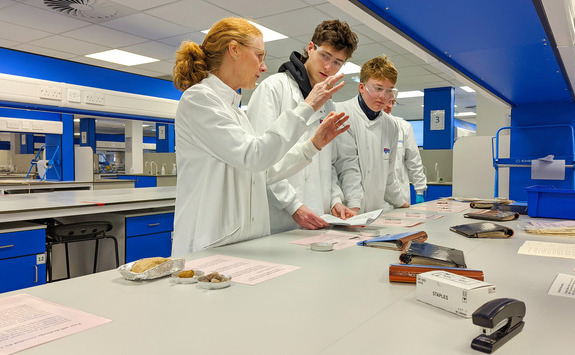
pixel 223 166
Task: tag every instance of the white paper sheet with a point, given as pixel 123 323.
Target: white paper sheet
pixel 27 321
pixel 396 222
pixel 548 169
pixel 245 271
pixel 411 215
pixel 340 240
pixel 359 220
pixel 564 286
pixel 556 250
pixel 441 206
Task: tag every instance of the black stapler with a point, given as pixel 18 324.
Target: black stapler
pixel 501 319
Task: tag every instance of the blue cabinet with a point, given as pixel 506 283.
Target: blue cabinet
pixel 22 255
pixel 433 192
pixel 140 180
pixel 149 235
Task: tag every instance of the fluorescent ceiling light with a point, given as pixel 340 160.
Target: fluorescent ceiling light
pixel 244 107
pixel 465 114
pixel 408 94
pixel 349 68
pixel 269 34
pixel 76 120
pixel 122 57
pixel 467 88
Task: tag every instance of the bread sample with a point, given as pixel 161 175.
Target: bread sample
pixel 186 274
pixel 147 263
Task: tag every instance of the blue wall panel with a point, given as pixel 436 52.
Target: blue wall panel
pixel 501 45
pixel 47 68
pixel 539 142
pixel 438 99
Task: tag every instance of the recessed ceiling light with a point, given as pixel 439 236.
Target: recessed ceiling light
pixel 122 57
pixel 465 114
pixel 244 107
pixel 269 34
pixel 76 120
pixel 349 68
pixel 467 88
pixel 408 94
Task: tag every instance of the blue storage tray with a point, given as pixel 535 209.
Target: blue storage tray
pixel 547 201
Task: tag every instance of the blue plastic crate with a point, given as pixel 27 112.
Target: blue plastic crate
pixel 547 201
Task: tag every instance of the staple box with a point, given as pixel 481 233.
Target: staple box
pixel 454 293
pixel 547 201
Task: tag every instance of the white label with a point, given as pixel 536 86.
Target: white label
pixel 161 132
pixel 23 136
pixel 84 137
pixel 41 259
pixel 437 120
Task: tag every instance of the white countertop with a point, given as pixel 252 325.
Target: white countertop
pixel 339 302
pixel 69 203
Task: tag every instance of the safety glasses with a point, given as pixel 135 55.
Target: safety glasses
pixel 381 92
pixel 327 57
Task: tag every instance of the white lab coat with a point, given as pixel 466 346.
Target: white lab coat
pixel 408 164
pixel 316 186
pixel 376 143
pixel 222 177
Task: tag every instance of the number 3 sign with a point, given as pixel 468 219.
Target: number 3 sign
pixel 437 120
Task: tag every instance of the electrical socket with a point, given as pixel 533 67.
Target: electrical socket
pixel 94 98
pixel 74 95
pixel 50 93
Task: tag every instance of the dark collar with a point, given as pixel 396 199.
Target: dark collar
pixel 297 70
pixel 371 115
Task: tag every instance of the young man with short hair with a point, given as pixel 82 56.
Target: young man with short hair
pixel 300 200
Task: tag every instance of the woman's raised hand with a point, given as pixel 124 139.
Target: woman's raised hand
pixel 331 127
pixel 323 91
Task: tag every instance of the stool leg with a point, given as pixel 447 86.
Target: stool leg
pixel 48 262
pixel 67 261
pixel 116 249
pixel 96 255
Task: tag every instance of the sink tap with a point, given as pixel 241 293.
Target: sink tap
pixel 153 163
pixel 145 165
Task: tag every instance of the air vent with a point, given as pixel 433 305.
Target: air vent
pixel 84 9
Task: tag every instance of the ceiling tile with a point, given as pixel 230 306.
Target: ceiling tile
pixel 6 43
pixel 369 51
pixel 19 33
pixel 163 67
pixel 153 49
pixel 44 20
pixel 195 14
pixel 294 23
pixel 147 26
pixel 369 32
pixel 104 36
pixel 69 45
pixel 258 8
pixel 44 51
pixel 283 48
pixel 336 13
pixel 145 4
pixel 175 41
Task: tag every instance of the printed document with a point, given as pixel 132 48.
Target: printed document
pixel 27 321
pixel 556 250
pixel 244 271
pixel 340 240
pixel 359 220
pixel 564 286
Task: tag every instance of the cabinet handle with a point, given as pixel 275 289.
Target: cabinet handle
pixel 153 224
pixel 36 267
pixel 6 246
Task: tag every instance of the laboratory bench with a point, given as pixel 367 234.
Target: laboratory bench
pixel 22 186
pixel 151 209
pixel 337 302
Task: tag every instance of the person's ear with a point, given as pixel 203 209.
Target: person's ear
pixel 310 46
pixel 234 49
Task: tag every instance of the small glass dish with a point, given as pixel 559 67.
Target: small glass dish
pixel 187 280
pixel 203 283
pixel 321 246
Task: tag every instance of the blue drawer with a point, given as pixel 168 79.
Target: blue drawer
pixel 17 273
pixel 148 224
pixel 140 181
pixel 13 244
pixel 147 246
